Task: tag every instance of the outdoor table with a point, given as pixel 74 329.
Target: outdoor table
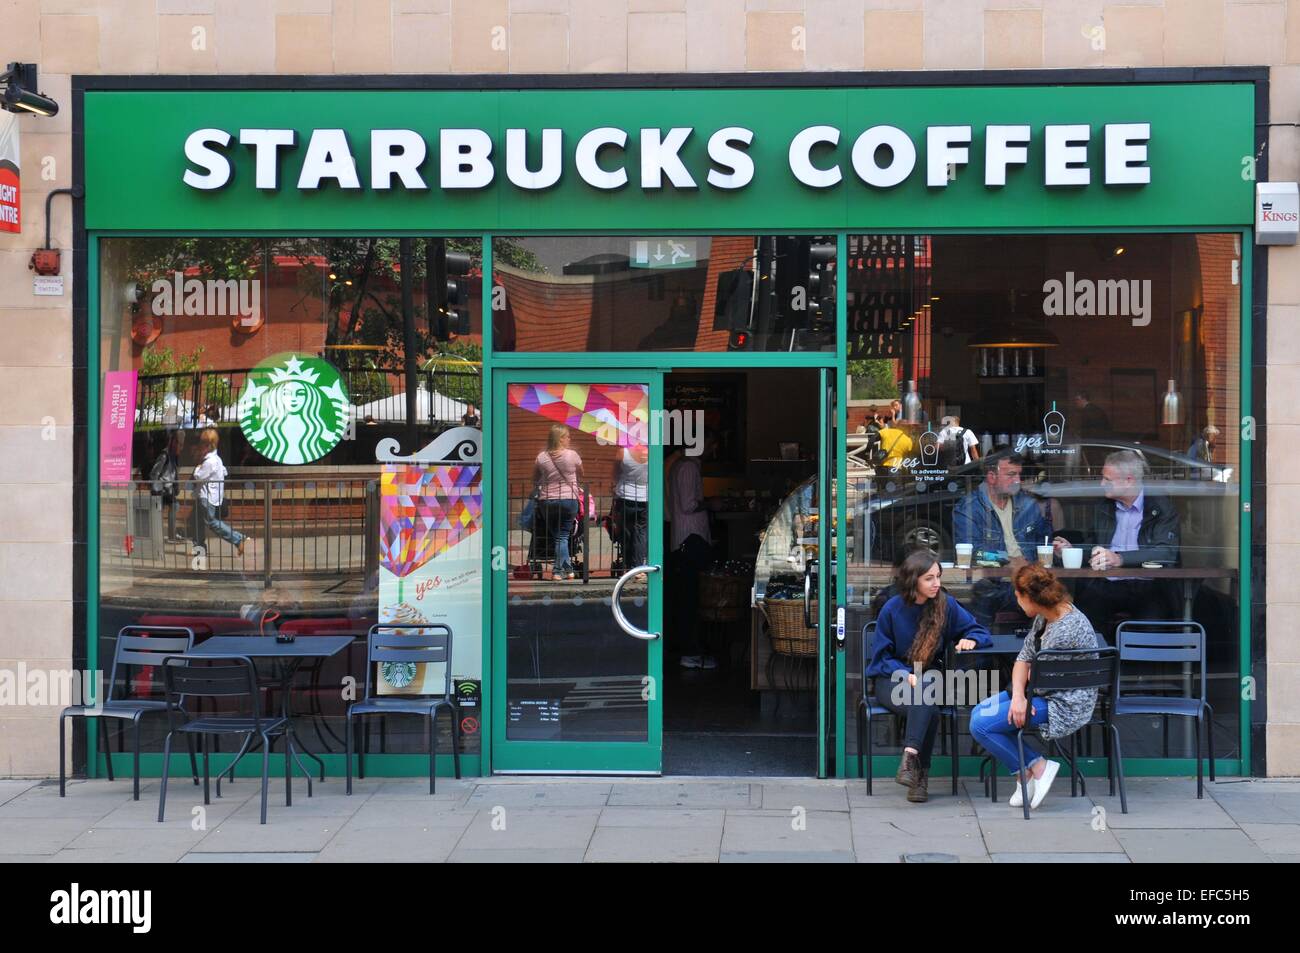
pixel 1003 646
pixel 292 655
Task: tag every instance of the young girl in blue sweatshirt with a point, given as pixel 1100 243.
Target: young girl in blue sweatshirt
pixel 913 629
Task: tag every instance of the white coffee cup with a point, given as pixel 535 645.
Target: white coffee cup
pixel 1072 557
pixel 1045 554
pixel 964 552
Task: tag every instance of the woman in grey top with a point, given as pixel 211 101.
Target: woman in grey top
pixel 995 721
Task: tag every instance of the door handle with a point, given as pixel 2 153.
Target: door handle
pixel 807 597
pixel 621 619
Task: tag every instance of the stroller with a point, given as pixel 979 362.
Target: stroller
pixel 612 524
pixel 541 543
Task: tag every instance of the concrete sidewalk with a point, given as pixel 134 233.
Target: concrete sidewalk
pixel 660 819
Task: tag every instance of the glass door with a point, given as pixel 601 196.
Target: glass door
pixel 577 482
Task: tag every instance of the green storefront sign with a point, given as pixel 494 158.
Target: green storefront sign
pixel 933 158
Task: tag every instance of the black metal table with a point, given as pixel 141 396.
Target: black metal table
pixel 1002 647
pixel 292 655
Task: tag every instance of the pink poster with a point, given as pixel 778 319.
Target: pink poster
pixel 118 427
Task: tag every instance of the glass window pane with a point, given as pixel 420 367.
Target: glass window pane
pixel 287 360
pixel 664 293
pixel 1104 369
pixel 576 452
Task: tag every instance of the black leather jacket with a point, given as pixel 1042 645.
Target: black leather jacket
pixel 1158 536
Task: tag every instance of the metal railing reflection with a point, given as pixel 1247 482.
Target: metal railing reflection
pixel 297 527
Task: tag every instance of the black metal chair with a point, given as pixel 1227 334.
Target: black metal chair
pixel 131 650
pixel 406 644
pixel 1157 641
pixel 869 707
pixel 230 678
pixel 1056 670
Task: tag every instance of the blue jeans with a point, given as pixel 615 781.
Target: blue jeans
pixel 214 523
pixel 990 726
pixel 560 518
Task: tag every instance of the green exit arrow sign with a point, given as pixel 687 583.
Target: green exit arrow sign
pixel 662 253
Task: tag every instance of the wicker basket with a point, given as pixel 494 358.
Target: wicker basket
pixel 723 598
pixel 785 624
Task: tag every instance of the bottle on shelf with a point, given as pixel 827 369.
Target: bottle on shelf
pixel 912 404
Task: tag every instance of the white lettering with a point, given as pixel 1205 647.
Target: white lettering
pixel 465 158
pixel 944 146
pixel 659 158
pixel 266 145
pixel 1004 146
pixel 198 151
pixel 801 147
pixel 1065 155
pixel 328 157
pixel 396 152
pixel 902 156
pixel 517 170
pixel 1126 153
pixel 724 154
pixel 589 147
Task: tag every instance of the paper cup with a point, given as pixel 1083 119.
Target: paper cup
pixel 964 552
pixel 1072 558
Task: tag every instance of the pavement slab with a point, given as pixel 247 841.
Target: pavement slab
pixel 654 845
pixel 706 820
pixel 1190 846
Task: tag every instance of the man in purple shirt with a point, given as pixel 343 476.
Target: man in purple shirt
pixel 1129 528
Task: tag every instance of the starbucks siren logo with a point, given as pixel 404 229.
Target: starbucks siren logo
pixel 293 409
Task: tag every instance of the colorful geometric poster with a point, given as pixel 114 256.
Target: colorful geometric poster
pixel 430 566
pixel 117 426
pixel 617 414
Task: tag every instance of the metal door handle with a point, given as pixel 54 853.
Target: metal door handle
pixel 621 619
pixel 807 597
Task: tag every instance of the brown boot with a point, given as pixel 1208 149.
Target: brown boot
pixel 919 792
pixel 908 768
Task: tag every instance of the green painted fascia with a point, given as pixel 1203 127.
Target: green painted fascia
pixel 1200 135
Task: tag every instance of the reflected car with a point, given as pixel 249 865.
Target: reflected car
pixel 897 511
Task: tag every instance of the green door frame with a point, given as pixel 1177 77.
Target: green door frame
pixel 573 757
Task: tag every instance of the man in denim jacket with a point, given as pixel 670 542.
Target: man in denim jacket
pixel 1001 524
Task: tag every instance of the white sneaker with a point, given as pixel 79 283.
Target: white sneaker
pixel 690 661
pixel 1016 800
pixel 1043 785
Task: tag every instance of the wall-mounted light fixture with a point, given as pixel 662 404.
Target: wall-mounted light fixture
pixel 20 95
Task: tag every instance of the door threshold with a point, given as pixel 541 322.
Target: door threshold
pixel 589 773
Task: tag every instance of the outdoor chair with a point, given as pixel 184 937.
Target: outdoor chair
pixel 405 644
pixel 1181 643
pixel 869 707
pixel 233 680
pixel 1057 670
pixel 136 649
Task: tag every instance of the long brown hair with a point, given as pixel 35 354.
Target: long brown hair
pixel 934 615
